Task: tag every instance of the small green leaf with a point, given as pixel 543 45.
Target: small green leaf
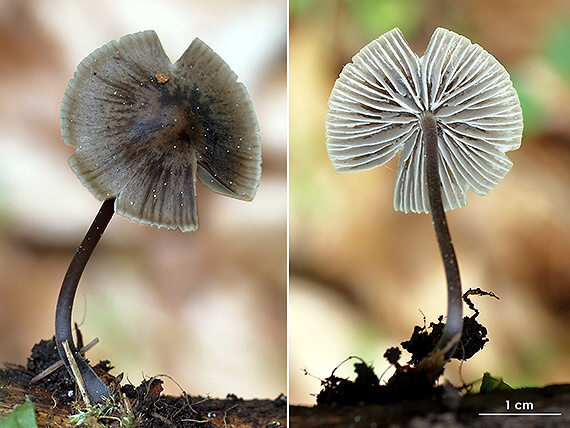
pixel 22 416
pixel 490 383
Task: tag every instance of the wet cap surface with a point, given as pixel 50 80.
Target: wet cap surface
pixel 145 128
pixel 377 102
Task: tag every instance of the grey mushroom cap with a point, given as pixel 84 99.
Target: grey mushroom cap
pixel 378 100
pixel 145 128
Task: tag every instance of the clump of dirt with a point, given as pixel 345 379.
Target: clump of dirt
pixel 413 381
pixel 44 355
pixel 407 383
pixel 424 339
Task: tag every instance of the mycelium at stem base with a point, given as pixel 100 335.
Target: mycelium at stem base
pixel 454 324
pixel 96 389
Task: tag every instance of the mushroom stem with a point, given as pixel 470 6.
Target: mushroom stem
pixel 96 389
pixel 454 324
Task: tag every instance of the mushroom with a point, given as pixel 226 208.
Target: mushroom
pixel 144 129
pixel 450 115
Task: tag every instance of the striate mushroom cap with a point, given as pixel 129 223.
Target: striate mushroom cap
pixel 378 100
pixel 145 128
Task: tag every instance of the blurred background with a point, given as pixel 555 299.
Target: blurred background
pixel 208 308
pixel 361 274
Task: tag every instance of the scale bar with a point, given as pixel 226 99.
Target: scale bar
pixel 520 414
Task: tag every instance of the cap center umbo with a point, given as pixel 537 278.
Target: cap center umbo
pixel 184 120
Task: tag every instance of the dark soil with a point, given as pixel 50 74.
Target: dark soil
pixel 448 410
pixel 413 398
pixel 413 381
pixel 55 397
pixel 424 339
pixel 409 400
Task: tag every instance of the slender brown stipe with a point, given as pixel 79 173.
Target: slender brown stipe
pixel 63 331
pixel 454 322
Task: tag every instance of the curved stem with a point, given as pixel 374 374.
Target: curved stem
pixel 454 324
pixel 94 385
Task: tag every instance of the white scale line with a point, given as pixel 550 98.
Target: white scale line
pixel 520 414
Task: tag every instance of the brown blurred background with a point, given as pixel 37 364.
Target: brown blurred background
pixel 361 274
pixel 207 308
